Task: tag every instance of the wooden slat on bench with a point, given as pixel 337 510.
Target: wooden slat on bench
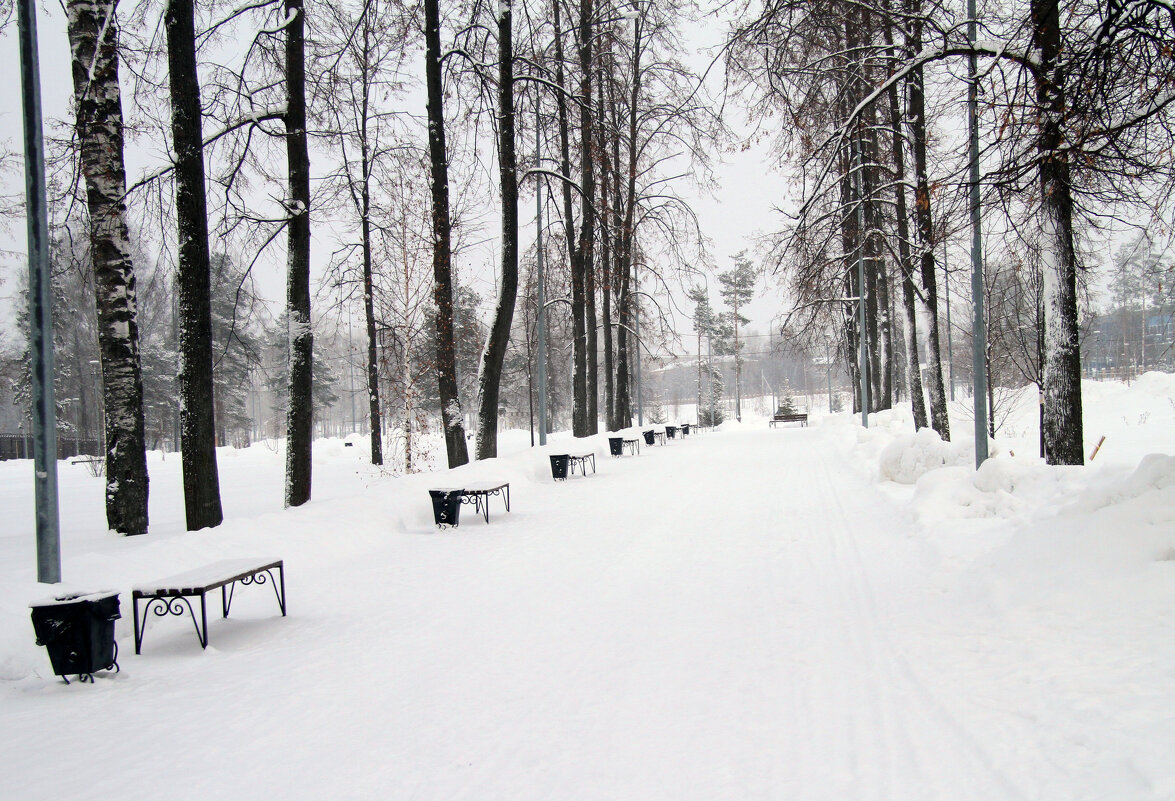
pixel 208 577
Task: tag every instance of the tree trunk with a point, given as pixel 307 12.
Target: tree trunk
pixel 300 411
pixel 909 300
pixel 495 349
pixel 607 257
pixel 582 260
pixel 925 232
pixel 451 415
pixel 1063 427
pixel 93 39
pixel 373 403
pixel 373 400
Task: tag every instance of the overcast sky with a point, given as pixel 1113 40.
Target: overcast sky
pixel 741 209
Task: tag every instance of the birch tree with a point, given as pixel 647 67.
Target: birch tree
pixel 93 39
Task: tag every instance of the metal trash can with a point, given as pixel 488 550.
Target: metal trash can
pixel 559 463
pixel 648 435
pixel 671 432
pixel 685 429
pixel 446 506
pixel 616 446
pixel 78 631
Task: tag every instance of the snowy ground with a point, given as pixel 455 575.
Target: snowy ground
pixel 819 613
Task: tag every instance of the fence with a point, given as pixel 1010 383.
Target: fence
pixel 19 446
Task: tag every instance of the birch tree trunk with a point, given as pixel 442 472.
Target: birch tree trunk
pixel 1063 427
pixel 93 39
pixel 300 411
pixel 909 299
pixel 494 355
pixel 197 417
pixel 916 100
pixel 451 414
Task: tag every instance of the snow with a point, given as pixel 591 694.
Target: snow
pixel 795 613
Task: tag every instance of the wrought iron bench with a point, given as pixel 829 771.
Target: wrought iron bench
pixel 170 595
pixel 800 417
pixel 582 460
pixel 479 496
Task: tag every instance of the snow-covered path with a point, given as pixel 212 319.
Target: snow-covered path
pixel 739 615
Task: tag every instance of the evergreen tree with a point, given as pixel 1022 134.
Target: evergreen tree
pixel 738 289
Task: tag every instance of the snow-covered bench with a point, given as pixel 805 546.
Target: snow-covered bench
pixel 799 417
pixel 170 595
pixel 479 495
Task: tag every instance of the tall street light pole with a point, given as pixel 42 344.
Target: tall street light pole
pixel 862 362
pixel 40 305
pixel 542 321
pixel 979 334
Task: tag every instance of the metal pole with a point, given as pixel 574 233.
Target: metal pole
pixel 862 362
pixel 710 370
pixel 40 306
pixel 351 368
pixel 979 335
pixel 542 322
pixel 946 282
pixel 640 406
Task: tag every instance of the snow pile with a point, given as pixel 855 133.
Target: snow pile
pixel 908 457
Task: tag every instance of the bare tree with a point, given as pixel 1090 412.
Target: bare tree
pixel 490 378
pixel 93 39
pixel 300 412
pixel 451 415
pixel 197 424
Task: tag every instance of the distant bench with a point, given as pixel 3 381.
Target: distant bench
pixel 798 417
pixel 166 595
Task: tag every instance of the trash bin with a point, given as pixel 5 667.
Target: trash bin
pixel 616 446
pixel 685 429
pixel 78 631
pixel 648 435
pixel 671 432
pixel 559 462
pixel 446 506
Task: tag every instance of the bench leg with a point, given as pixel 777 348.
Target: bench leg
pixel 138 631
pixel 170 605
pixel 263 577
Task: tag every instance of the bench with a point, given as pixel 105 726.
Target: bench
pixel 479 496
pixel 618 445
pixel 170 595
pixel 799 417
pixel 582 460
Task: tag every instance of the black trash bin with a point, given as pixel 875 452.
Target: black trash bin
pixel 648 435
pixel 685 429
pixel 559 463
pixel 446 506
pixel 671 432
pixel 78 631
pixel 616 446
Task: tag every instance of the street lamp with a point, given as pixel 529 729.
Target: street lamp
pixel 44 418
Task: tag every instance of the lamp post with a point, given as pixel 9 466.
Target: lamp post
pixel 542 321
pixel 862 362
pixel 979 334
pixel 100 402
pixel 44 417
